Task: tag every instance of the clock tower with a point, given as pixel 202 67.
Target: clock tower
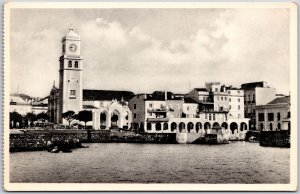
pixel 70 75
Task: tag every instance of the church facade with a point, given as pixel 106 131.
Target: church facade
pixel 109 108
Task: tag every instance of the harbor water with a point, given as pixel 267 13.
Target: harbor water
pixel 237 162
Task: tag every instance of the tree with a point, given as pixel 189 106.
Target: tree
pixel 85 116
pixel 69 116
pixel 42 116
pixel 31 118
pixel 15 117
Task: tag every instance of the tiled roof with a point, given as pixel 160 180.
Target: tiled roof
pixel 107 95
pixel 281 100
pixel 87 106
pixel 189 100
pixel 160 96
pixel 252 85
pixel 201 89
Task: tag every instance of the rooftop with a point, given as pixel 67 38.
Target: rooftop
pixel 201 89
pixel 253 85
pixel 107 95
pixel 281 100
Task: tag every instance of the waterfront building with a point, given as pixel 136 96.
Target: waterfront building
pixel 275 115
pixel 109 108
pixel 256 93
pixel 24 104
pixel 163 112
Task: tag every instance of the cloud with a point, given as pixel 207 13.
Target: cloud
pixel 238 46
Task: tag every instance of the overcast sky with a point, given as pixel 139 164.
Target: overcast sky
pixel 143 50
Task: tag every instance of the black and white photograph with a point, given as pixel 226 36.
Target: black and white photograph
pixel 150 96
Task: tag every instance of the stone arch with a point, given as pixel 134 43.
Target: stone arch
pixel 181 127
pixel 158 126
pixel 224 125
pixel 190 126
pixel 166 126
pixel 216 124
pixel 115 118
pixel 233 126
pixel 173 126
pixel 243 126
pixel 149 127
pixel 207 125
pixel 103 119
pixel 198 126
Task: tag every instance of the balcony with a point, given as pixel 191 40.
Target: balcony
pixel 158 120
pixel 162 109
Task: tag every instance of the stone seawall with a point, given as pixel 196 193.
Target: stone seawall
pixel 275 138
pixel 37 140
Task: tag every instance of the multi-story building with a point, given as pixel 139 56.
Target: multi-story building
pixel 274 115
pixel 152 111
pixel 256 93
pixel 24 104
pixel 163 112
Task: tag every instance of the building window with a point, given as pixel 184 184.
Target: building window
pixel 239 107
pixel 261 126
pixel 239 116
pixel 150 105
pixel 228 92
pixel 221 98
pixel 229 107
pixel 239 100
pixel 238 91
pixel 216 89
pixel 270 116
pixel 134 106
pixel 249 98
pixel 279 126
pixel 225 98
pixel 278 116
pixel 76 64
pixel 205 116
pixel 209 116
pixel 289 114
pixel 229 99
pixel 72 93
pixel 271 127
pixel 70 64
pixel 187 108
pixel 214 117
pixel 134 115
pixel 261 117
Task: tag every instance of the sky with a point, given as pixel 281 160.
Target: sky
pixel 144 50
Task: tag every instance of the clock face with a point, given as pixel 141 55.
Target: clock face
pixel 73 47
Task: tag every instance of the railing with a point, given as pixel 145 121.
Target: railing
pixel 157 119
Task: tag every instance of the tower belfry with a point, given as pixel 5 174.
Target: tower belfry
pixel 70 74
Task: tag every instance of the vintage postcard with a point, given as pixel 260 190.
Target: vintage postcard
pixel 150 96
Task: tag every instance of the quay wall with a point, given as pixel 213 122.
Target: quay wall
pixel 37 139
pixel 275 138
